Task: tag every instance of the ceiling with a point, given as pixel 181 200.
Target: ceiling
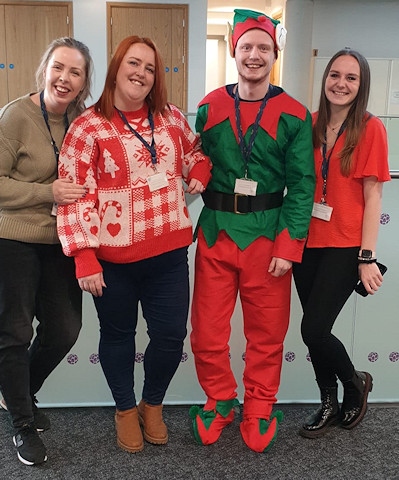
pixel 221 11
pixel 230 5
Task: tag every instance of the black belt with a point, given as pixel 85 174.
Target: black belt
pixel 238 203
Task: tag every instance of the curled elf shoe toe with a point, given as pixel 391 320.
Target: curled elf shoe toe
pixel 260 434
pixel 208 424
pixel 354 405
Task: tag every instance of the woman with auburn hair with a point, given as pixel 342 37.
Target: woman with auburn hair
pixel 129 235
pixel 157 96
pixel 351 161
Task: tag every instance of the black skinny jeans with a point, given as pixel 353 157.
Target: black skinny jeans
pixel 35 281
pixel 325 280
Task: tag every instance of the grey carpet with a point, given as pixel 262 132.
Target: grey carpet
pixel 81 446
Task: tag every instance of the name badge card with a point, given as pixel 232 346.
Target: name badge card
pixel 322 211
pixel 157 181
pixel 245 186
pixel 54 210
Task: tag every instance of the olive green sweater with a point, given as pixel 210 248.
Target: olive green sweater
pixel 27 170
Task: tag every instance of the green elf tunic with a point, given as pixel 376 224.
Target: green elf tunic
pixel 281 160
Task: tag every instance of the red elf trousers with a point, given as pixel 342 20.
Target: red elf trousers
pixel 221 272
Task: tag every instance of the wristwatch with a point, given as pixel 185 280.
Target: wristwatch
pixel 366 254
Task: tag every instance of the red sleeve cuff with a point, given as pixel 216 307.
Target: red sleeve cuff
pixel 86 263
pixel 201 172
pixel 288 248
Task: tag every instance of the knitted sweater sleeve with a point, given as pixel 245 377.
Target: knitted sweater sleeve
pixel 78 224
pixel 195 163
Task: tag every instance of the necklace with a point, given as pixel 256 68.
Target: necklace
pixel 333 129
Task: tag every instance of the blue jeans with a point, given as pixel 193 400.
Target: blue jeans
pixel 161 285
pixel 36 280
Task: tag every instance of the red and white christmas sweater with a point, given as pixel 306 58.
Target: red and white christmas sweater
pixel 120 220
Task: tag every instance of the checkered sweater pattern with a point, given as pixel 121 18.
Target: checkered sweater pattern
pixel 120 220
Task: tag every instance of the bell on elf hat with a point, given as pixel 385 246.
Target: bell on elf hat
pixel 245 20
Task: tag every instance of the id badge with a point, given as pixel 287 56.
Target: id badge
pixel 246 186
pixel 157 181
pixel 322 211
pixel 54 210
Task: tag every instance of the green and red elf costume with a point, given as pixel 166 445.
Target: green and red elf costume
pixel 269 142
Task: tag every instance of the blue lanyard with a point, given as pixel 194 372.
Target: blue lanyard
pixel 45 116
pixel 326 159
pixel 246 150
pixel 150 148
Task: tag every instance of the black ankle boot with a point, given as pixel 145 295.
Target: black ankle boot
pixel 354 405
pixel 325 416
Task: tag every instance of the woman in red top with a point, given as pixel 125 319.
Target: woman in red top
pixel 351 162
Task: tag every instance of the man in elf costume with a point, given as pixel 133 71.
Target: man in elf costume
pixel 252 228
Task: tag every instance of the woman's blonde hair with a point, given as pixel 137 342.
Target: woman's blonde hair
pixel 79 102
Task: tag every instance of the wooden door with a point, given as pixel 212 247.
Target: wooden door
pixel 165 25
pixel 28 28
pixel 3 62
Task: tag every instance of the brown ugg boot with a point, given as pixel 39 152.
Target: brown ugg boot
pixel 128 431
pixel 150 417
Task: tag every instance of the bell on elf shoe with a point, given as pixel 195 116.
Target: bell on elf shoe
pixel 260 434
pixel 209 421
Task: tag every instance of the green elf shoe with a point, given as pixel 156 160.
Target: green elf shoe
pixel 208 422
pixel 260 434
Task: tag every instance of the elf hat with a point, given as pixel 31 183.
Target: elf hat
pixel 245 20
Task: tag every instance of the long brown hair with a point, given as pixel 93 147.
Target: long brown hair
pixel 356 118
pixel 156 99
pixel 79 101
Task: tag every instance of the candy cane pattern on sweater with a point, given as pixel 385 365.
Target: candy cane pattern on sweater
pixel 113 228
pixel 120 220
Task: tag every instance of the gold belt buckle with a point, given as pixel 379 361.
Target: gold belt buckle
pixel 235 207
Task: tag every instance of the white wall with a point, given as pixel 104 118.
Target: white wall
pixel 369 26
pixel 79 380
pixel 368 326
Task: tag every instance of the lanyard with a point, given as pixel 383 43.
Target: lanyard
pixel 246 150
pixel 150 148
pixel 45 116
pixel 326 160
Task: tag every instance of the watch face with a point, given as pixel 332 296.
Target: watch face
pixel 366 254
